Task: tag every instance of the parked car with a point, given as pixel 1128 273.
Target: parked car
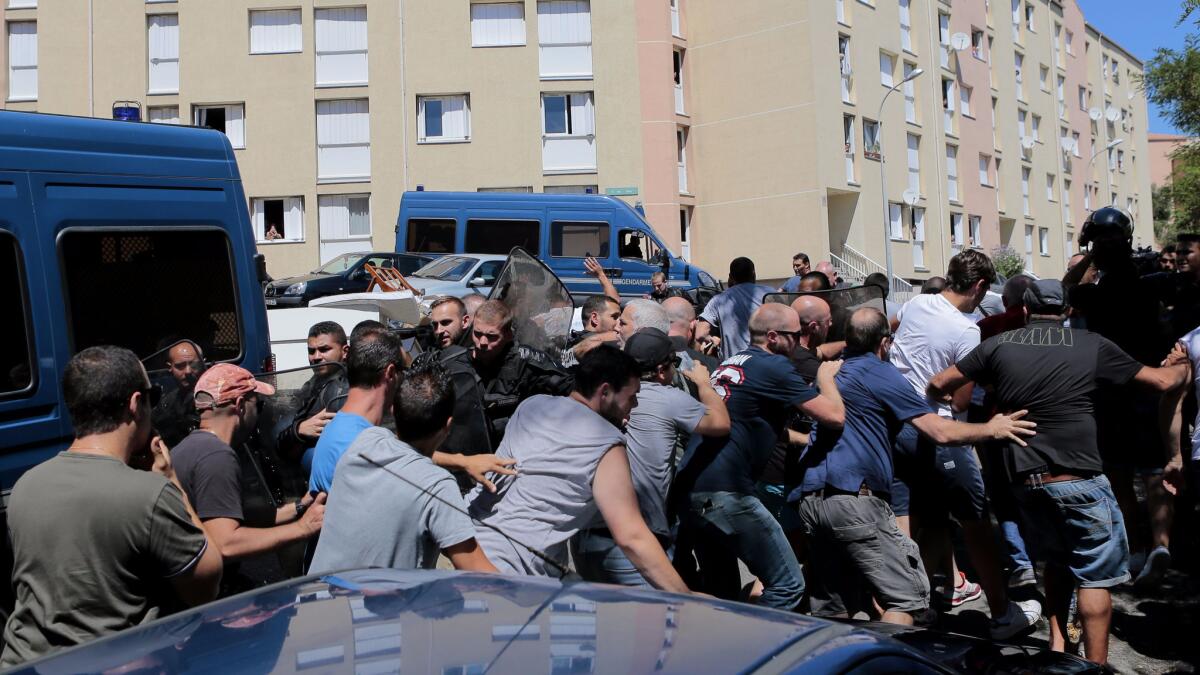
pixel 344 274
pixel 435 621
pixel 458 275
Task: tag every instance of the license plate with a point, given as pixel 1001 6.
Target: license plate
pixel 272 301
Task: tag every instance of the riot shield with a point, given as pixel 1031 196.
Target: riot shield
pixel 842 303
pixel 541 306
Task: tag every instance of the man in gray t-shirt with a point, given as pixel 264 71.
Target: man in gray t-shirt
pixel 663 414
pixel 390 505
pixel 730 310
pixel 571 463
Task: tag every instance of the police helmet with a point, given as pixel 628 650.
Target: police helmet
pixel 1104 221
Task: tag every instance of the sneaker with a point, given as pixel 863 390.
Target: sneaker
pixel 1021 577
pixel 1136 562
pixel 1021 617
pixel 964 591
pixel 1156 565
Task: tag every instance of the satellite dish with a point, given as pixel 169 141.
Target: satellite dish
pixel 960 41
pixel 911 197
pixel 1027 142
pixel 1112 115
pixel 1095 114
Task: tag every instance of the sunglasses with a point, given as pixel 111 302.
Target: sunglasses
pixel 795 334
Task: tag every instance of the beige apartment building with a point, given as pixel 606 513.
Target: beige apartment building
pixel 742 128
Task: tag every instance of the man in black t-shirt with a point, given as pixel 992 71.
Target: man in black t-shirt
pixel 1058 480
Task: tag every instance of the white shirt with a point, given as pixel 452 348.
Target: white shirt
pixel 1191 342
pixel 933 336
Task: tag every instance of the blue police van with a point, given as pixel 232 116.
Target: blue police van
pixel 120 233
pixel 562 230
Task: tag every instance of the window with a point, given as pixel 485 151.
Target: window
pixel 1025 190
pixel 431 235
pixel 22 4
pixel 1016 21
pixel 999 192
pixel 568 132
pixel 887 67
pixel 571 190
pixel 163 50
pixel 848 140
pixel 345 224
pixel 676 24
pixel 1050 187
pixel 565 38
pixel 985 170
pixel 278 219
pixel 343 141
pixel 1037 126
pixel 1069 243
pixel 1116 72
pixel 685 233
pixel 681 158
pixel 896 221
pixel 1075 143
pixel 22 61
pixel 163 114
pixel 1044 78
pixel 1058 59
pixel 1022 132
pixel 1083 99
pixel 106 307
pixel 1060 88
pixel 519 189
pixel 977 44
pixel 952 172
pixel 275 31
pixel 918 240
pixel 16 347
pixel 948 104
pixel 905 25
pixel 973 232
pixel 1066 201
pixel 844 64
pixel 910 95
pixel 871 148
pixel 1070 43
pixel 677 58
pixel 964 96
pixel 443 119
pixel 1019 61
pixel 636 245
pixel 944 38
pixel 956 232
pixel 227 119
pixel 502 236
pixel 1121 161
pixel 341 45
pixel 497 24
pixel 1029 18
pixel 1044 241
pixel 1087 198
pixel 914 163
pixel 579 240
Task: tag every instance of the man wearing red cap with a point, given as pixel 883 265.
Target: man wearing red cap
pixel 228 399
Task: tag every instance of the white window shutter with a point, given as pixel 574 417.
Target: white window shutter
pixel 334 217
pixel 341 45
pixel 894 211
pixel 22 60
pixel 293 219
pixel 235 125
pixel 565 38
pixel 259 219
pixel 497 24
pixel 343 140
pixel 455 122
pixel 358 216
pixel 275 31
pixel 168 114
pixel 582 115
pixel 163 43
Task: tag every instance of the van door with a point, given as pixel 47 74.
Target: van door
pixel 575 236
pixel 32 421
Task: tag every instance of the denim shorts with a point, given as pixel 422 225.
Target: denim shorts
pixel 1078 523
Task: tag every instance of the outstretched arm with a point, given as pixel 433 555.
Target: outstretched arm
pixel 595 269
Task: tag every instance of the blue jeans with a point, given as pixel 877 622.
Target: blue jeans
pixel 1004 506
pixel 598 558
pixel 727 526
pixel 1077 524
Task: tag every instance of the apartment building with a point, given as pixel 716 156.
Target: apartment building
pixel 756 129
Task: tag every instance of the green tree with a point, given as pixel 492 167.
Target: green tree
pixel 1007 261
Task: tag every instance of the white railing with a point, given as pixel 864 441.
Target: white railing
pixel 854 267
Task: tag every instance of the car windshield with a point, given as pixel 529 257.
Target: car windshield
pixel 339 264
pixel 450 268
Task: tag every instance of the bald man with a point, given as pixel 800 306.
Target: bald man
pixel 682 315
pixel 723 515
pixel 826 268
pixel 175 415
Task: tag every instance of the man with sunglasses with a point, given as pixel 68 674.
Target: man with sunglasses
pixel 175 414
pixel 229 400
pixel 99 546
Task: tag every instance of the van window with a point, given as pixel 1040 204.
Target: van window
pixel 145 289
pixel 501 236
pixel 579 240
pixel 429 235
pixel 15 348
pixel 636 245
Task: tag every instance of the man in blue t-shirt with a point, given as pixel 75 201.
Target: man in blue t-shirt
pixel 723 516
pixel 844 510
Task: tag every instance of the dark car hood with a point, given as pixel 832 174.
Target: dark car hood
pixel 435 621
pixel 311 276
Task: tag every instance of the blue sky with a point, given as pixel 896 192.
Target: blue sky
pixel 1141 27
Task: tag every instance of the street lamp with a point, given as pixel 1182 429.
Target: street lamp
pixel 887 215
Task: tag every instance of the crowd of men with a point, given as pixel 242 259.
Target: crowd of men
pixel 839 460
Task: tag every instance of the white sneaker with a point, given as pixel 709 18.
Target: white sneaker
pixel 1156 565
pixel 1021 617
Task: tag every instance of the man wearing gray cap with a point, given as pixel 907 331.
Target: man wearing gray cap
pixel 1058 480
